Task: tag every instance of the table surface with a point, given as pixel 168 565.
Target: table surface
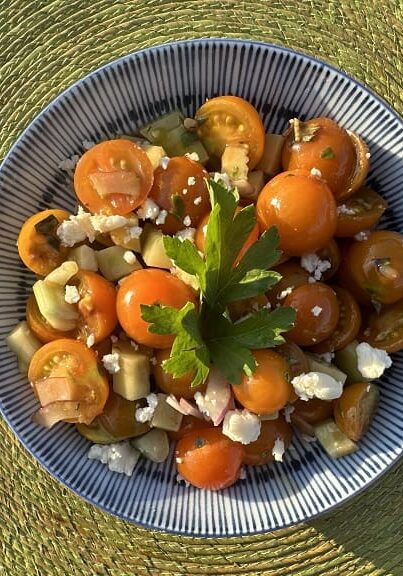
pixel 45 45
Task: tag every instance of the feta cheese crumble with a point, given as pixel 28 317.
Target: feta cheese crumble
pixel 111 362
pixel 284 293
pixel 343 209
pixel 120 457
pixel 87 144
pixel 114 339
pixel 163 163
pixel 149 210
pixel 187 221
pixel 372 362
pixel 241 426
pixel 191 181
pixel 90 340
pixel 316 311
pixel 327 356
pixel 288 410
pixel 186 234
pixel 317 385
pixel 316 172
pixel 133 232
pixel 197 201
pixel 223 178
pixel 71 294
pixel 314 265
pixel 192 156
pixel 104 224
pixel 68 164
pixel 129 257
pixel 162 216
pixel 278 450
pixel 363 235
pixel 184 191
pixel 275 202
pixel 145 414
pixel 77 228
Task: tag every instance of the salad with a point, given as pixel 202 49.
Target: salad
pixel 218 288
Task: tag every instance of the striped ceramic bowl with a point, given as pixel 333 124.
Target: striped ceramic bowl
pixel 118 99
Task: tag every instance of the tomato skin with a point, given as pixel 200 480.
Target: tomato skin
pixel 118 418
pixel 149 287
pixel 208 459
pixel 34 249
pixel 180 387
pixel 268 389
pixel 259 452
pixel 40 327
pixel 241 308
pixel 118 157
pixel 385 329
pixel 337 170
pixel 310 329
pixel 330 252
pixel 97 305
pixel 354 410
pixel 303 227
pixel 231 120
pixel 189 425
pixel 292 276
pixel 368 207
pixel 373 269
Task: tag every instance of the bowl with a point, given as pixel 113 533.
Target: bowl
pixel 117 99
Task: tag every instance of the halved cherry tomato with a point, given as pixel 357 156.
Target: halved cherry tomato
pixel 189 425
pixel 317 313
pixel 360 212
pixel 355 409
pixel 261 451
pixel 307 414
pixel 322 144
pixel 296 359
pixel 150 286
pixel 231 120
pixel 268 389
pixel 303 226
pixel 384 329
pixel 40 326
pixel 331 253
pixel 208 459
pixel 292 276
pixel 119 418
pixel 76 366
pixel 38 245
pixel 180 387
pixel 181 190
pixel 348 326
pixel 113 177
pixel 373 269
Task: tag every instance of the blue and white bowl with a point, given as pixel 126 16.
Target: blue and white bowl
pixel 118 99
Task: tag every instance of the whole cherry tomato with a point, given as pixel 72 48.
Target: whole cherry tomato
pixel 261 451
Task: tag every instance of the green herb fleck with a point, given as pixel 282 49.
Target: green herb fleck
pixel 178 206
pixel 327 153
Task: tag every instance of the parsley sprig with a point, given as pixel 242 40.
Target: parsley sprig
pixel 208 335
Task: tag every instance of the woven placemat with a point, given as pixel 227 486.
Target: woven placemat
pixel 45 45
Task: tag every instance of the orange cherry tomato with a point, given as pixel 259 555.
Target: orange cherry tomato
pixel 181 190
pixel 180 387
pixel 331 253
pixel 384 329
pixel 305 225
pixel 330 150
pixel 113 177
pixel 40 326
pixel 355 409
pixel 208 459
pixel 268 389
pixel 261 451
pixel 228 120
pixel 317 313
pixel 189 424
pixel 119 418
pixel 348 326
pixel 75 365
pixel 359 212
pixel 373 269
pixel 307 414
pixel 150 286
pixel 38 245
pixel 292 276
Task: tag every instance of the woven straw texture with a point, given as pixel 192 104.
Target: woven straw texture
pixel 45 45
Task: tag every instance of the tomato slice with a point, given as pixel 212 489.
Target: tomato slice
pixel 261 451
pixel 385 329
pixel 97 306
pixel 228 120
pixel 38 245
pixel 113 177
pixel 39 325
pixel 360 212
pixel 76 367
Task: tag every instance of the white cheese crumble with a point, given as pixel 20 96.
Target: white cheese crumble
pixel 134 344
pixel 145 414
pixel 68 164
pixel 149 210
pixel 343 209
pixel 184 191
pixel 186 234
pixel 87 144
pixel 192 156
pixel 278 450
pixel 317 385
pixel 241 426
pixel 129 257
pixel 191 181
pixel 311 280
pixel 180 479
pixel 223 178
pixel 284 293
pixel 288 410
pixel 121 457
pixel 316 172
pixel 163 163
pixel 104 224
pixel 275 202
pixel 153 360
pixel 162 216
pixel 179 460
pixel 71 294
pixel 111 362
pixel 316 310
pixel 77 228
pixel 314 265
pixel 197 201
pixel 242 474
pixel 133 232
pixel 90 340
pixel 372 362
pixel 327 357
pixel 114 339
pixel 187 221
pixel 363 235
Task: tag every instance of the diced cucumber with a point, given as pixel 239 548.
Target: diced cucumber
pixel 85 258
pixel 154 153
pixel 316 364
pixel 155 131
pixel 53 307
pixel 23 343
pixel 152 248
pixel 166 417
pixel 234 162
pixel 63 273
pixel 95 433
pixel 346 359
pixel 132 381
pixel 154 445
pixel 113 265
pixel 333 440
pixel 270 162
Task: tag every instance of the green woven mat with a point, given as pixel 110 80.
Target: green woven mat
pixel 45 45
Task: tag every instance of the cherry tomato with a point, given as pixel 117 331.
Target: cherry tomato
pixel 208 459
pixel 329 149
pixel 40 326
pixel 113 177
pixel 261 451
pixel 385 329
pixel 292 276
pixel 180 387
pixel 348 326
pixel 373 269
pixel 150 286
pixel 75 366
pixel 181 190
pixel 303 226
pixel 189 424
pixel 296 359
pixel 307 414
pixel 241 308
pixel 355 409
pixel 360 212
pixel 38 245
pixel 201 236
pixel 228 120
pixel 317 313
pixel 268 389
pixel 119 418
pixel 331 253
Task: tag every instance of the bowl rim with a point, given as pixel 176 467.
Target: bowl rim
pixel 8 156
